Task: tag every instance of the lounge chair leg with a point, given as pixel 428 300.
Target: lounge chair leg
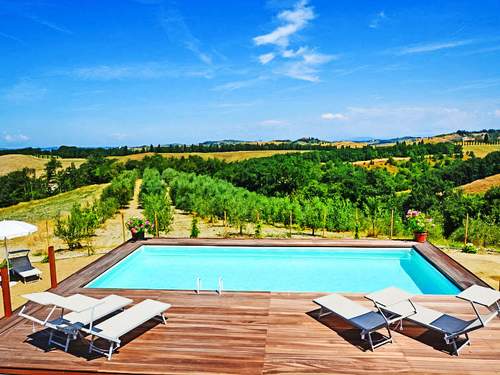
pixel 91 346
pixel 389 333
pixel 164 319
pixel 50 337
pixel 110 351
pixel 66 347
pixel 370 340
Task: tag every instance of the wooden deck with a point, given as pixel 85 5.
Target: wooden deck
pixel 251 333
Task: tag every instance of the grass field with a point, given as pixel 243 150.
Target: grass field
pixel 481 150
pixel 482 185
pixel 42 213
pixel 11 163
pixel 229 156
pixel 379 163
pixel 49 207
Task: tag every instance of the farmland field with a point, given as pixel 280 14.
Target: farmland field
pixel 229 156
pixel 11 163
pixel 481 150
pixel 50 207
pixel 482 185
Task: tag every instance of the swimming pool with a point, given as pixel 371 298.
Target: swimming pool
pixel 278 269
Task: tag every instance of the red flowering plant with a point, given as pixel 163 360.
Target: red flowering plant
pixel 138 226
pixel 417 221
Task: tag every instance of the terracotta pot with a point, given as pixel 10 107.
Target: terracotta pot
pixel 420 236
pixel 138 235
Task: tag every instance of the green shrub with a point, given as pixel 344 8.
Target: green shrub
pixel 152 184
pixel 481 233
pixel 469 248
pixel 121 188
pixel 161 206
pixel 258 229
pixel 195 231
pixel 79 225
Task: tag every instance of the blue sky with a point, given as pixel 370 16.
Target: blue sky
pixel 121 72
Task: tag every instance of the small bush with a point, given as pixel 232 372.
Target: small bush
pixel 469 248
pixel 195 231
pixel 79 225
pixel 258 230
pixel 161 206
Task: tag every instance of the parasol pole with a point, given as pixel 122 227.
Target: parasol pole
pixel 6 252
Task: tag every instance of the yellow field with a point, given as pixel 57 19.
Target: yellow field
pixel 11 163
pixel 481 150
pixel 380 163
pixel 229 156
pixel 482 185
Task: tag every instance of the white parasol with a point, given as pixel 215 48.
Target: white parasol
pixel 12 229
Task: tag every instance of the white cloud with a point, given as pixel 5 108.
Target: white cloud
pixel 476 85
pixel 334 116
pixel 265 58
pixel 11 37
pixel 15 138
pixel 377 20
pixel 50 25
pixel 273 122
pixel 293 21
pixel 148 70
pixel 119 136
pixel 235 85
pixel 497 113
pixel 178 32
pixel 299 63
pixel 432 47
pixel 24 91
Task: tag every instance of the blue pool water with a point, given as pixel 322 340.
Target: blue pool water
pixel 278 269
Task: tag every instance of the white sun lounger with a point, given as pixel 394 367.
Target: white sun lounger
pixel 451 327
pixel 115 327
pixel 84 311
pixel 368 321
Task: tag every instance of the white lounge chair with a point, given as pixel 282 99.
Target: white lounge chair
pixel 115 327
pixel 84 312
pixel 368 321
pixel 451 327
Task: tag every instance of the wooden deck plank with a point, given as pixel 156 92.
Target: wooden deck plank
pixel 249 333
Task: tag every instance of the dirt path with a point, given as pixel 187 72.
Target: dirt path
pixel 111 235
pixel 486 266
pixel 107 238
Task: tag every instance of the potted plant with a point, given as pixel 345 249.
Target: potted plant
pixel 138 227
pixel 417 222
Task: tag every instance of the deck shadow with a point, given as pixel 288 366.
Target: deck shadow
pixel 79 347
pixel 426 337
pixel 349 333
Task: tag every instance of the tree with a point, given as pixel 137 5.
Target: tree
pixel 159 205
pixel 50 172
pixel 373 209
pixel 195 231
pixel 79 225
pixel 152 183
pixel 313 214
